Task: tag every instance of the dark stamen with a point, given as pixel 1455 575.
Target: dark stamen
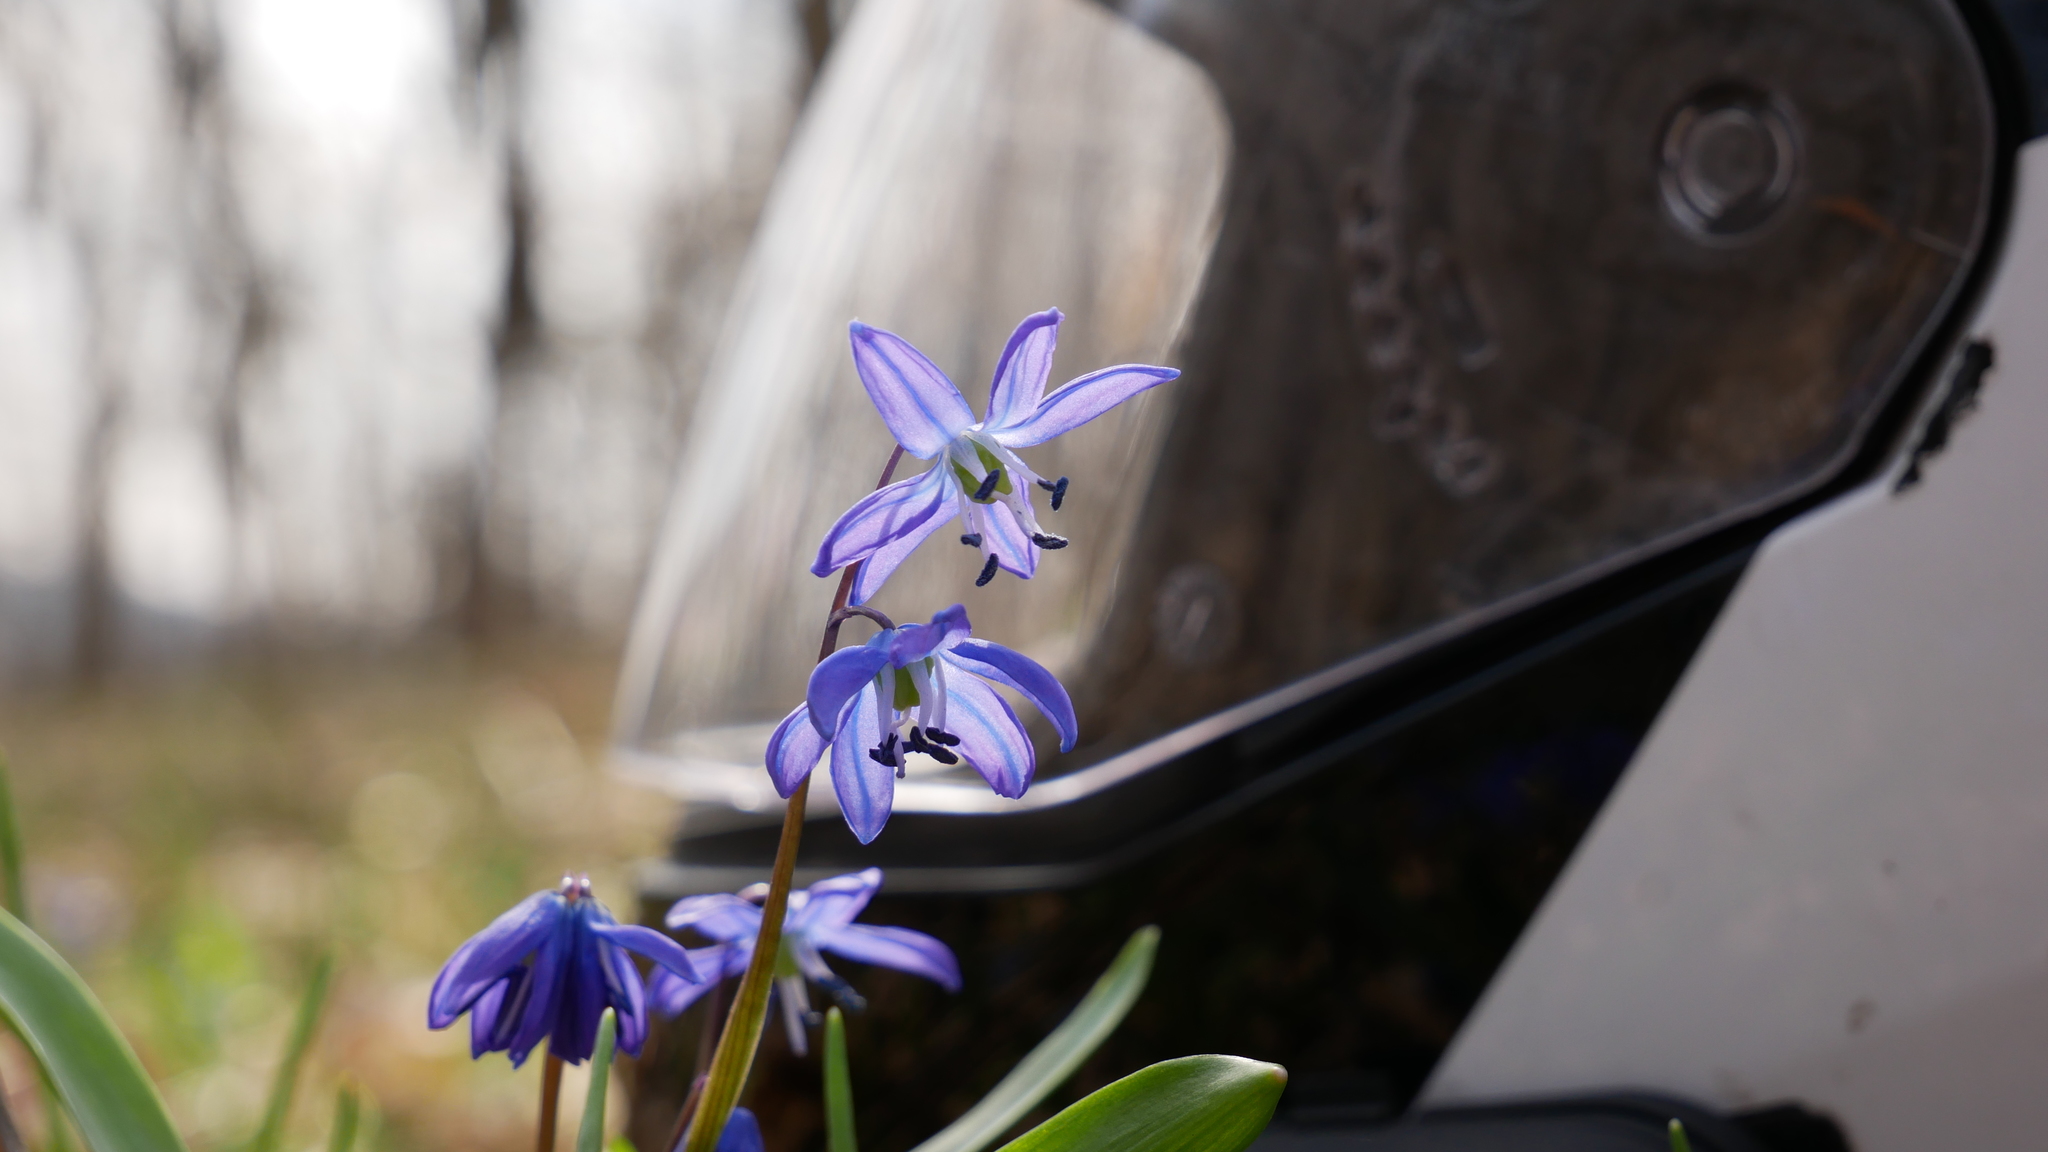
pixel 988 573
pixel 939 737
pixel 971 539
pixel 1046 484
pixel 1048 541
pixel 1059 493
pixel 880 757
pixel 988 486
pixel 941 755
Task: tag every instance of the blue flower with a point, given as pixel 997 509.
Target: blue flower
pixel 915 688
pixel 819 920
pixel 978 476
pixel 547 970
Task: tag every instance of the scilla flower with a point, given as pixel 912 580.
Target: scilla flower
pixel 819 920
pixel 547 970
pixel 976 475
pixel 915 688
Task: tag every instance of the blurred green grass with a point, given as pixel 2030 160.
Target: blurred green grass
pixel 195 842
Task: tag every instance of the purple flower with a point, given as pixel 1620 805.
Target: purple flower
pixel 742 1133
pixel 915 688
pixel 547 970
pixel 819 919
pixel 978 476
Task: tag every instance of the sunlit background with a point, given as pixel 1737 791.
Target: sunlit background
pixel 345 350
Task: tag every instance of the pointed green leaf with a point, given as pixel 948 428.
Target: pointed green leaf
pixel 1678 1141
pixel 1056 1057
pixel 97 1075
pixel 286 1080
pixel 590 1136
pixel 1193 1104
pixel 838 1086
pixel 347 1108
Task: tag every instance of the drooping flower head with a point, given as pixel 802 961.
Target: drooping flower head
pixel 976 475
pixel 547 970
pixel 915 688
pixel 819 920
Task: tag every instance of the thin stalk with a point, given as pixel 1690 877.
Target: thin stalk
pixel 15 892
pixel 550 1098
pixel 839 1135
pixel 347 1107
pixel 742 1034
pixel 271 1132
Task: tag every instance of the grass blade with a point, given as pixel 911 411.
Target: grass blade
pixel 1193 1104
pixel 347 1112
pixel 838 1086
pixel 590 1134
pixel 95 1071
pixel 1056 1057
pixel 285 1083
pixel 1678 1141
pixel 15 890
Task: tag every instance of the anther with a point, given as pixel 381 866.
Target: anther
pixel 988 486
pixel 1059 491
pixel 971 539
pixel 941 755
pixel 1048 541
pixel 988 573
pixel 843 993
pixel 939 737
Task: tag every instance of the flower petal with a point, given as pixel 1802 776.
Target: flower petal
pixel 866 789
pixel 1082 400
pixel 483 1015
pixel 883 562
pixel 720 915
pixel 900 948
pixel 914 642
pixel 651 944
pixel 1012 546
pixel 1021 373
pixel 544 998
pixel 487 956
pixel 923 410
pixel 916 507
pixel 837 679
pixel 991 738
pixel 1015 670
pixel 670 994
pixel 742 1134
pixel 836 901
pixel 793 751
pixel 628 997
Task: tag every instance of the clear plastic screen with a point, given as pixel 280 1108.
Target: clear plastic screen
pixel 1473 299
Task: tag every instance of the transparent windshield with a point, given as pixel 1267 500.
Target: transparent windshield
pixel 1472 300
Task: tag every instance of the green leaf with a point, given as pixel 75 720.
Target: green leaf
pixel 838 1086
pixel 1193 1104
pixel 1056 1057
pixel 1678 1141
pixel 10 844
pixel 96 1073
pixel 347 1109
pixel 285 1082
pixel 590 1136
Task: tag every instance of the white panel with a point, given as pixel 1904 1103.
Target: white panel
pixel 1826 874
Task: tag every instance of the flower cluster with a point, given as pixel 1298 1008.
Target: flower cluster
pixel 905 691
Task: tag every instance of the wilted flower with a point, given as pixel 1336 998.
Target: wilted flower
pixel 915 688
pixel 978 476
pixel 547 970
pixel 819 919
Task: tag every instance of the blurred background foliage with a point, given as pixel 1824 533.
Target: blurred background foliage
pixel 344 354
pixel 195 843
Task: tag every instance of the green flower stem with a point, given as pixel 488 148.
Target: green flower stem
pixel 838 1087
pixel 550 1101
pixel 742 1035
pixel 347 1108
